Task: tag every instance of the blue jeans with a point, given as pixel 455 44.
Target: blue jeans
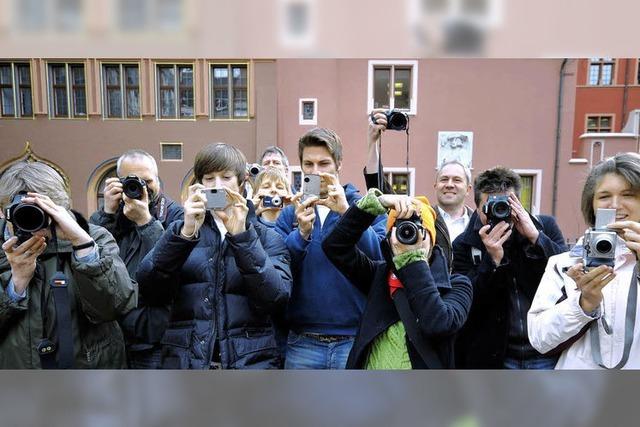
pixel 538 363
pixel 304 352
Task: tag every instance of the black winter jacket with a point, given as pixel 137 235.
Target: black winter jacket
pixel 440 303
pixel 222 295
pixel 482 342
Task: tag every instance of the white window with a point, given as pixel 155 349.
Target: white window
pixel 308 111
pixel 401 180
pixel 171 151
pixel 393 84
pixel 530 191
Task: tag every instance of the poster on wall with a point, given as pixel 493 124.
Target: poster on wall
pixel 455 145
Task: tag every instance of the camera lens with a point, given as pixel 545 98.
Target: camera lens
pixel 501 210
pixel 30 218
pixel 397 121
pixel 306 179
pixel 214 191
pixel 603 246
pixel 132 188
pixel 407 233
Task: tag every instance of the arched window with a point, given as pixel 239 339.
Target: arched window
pixel 28 155
pixel 188 180
pixel 95 184
pixel 100 186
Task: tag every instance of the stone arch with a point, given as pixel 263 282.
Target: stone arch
pixel 95 183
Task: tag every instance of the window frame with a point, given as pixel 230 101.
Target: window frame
pixel 310 122
pixel 230 88
pixel 599 116
pixel 68 90
pixel 536 187
pixel 401 170
pixel 16 87
pixel 601 62
pixel 413 90
pixel 164 143
pixel 122 65
pixel 176 88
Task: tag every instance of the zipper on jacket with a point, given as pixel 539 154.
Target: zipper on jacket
pixel 519 316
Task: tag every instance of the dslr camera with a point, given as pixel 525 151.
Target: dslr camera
pixel 407 229
pixel 497 209
pixel 272 202
pixel 396 119
pixel 26 218
pixel 599 243
pixel 133 186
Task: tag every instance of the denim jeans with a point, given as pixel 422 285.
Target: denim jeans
pixel 304 352
pixel 538 363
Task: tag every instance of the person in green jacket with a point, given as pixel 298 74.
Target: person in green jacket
pixel 33 330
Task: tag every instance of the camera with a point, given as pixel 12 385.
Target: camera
pixel 396 119
pixel 26 218
pixel 254 169
pixel 599 243
pixel 407 229
pixel 216 198
pixel 272 202
pixel 133 187
pixel 497 209
pixel 311 185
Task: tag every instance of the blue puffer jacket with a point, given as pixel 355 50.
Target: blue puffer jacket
pixel 224 292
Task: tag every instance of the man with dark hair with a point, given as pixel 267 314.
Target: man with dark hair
pixel 137 224
pixel 505 258
pixel 325 308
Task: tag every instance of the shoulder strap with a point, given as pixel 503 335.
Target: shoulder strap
pixel 427 353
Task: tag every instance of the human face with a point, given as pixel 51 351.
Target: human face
pixel 615 192
pixel 223 179
pixel 483 201
pixel 451 186
pixel 269 187
pixel 273 160
pixel 316 160
pixel 143 169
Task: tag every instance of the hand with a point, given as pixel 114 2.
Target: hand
pixel 522 220
pixel 591 284
pixel 376 129
pixel 112 195
pixel 137 210
pixel 494 239
pixel 234 215
pixel 194 210
pixel 22 259
pixel 336 199
pixel 629 231
pixel 305 214
pixel 398 248
pixel 257 204
pixel 67 228
pixel 405 206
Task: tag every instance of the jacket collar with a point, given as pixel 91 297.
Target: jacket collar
pixel 437 264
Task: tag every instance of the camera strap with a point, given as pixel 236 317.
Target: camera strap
pixel 59 288
pixel 629 326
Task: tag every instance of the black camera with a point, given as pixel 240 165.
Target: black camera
pixel 133 186
pixel 272 202
pixel 254 169
pixel 396 119
pixel 497 209
pixel 407 229
pixel 26 218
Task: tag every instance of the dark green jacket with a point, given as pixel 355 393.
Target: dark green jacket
pixel 100 293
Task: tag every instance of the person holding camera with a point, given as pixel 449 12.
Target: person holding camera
pixel 503 251
pixel 585 311
pixel 223 273
pixel 325 308
pixel 270 195
pixel 62 284
pixel 414 307
pixel 136 213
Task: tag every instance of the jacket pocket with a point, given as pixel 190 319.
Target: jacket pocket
pixel 255 349
pixel 176 343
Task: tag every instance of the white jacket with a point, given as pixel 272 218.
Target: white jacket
pixel 552 323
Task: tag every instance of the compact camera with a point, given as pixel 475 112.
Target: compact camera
pixel 497 209
pixel 396 119
pixel 133 187
pixel 26 218
pixel 254 169
pixel 407 229
pixel 311 185
pixel 217 198
pixel 599 243
pixel 272 202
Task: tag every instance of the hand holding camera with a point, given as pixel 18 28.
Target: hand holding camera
pixel 22 259
pixel 405 206
pixel 137 209
pixel 194 211
pixel 234 215
pixel 336 199
pixel 377 125
pixel 591 284
pixel 493 238
pixel 522 220
pixel 112 195
pixel 305 214
pixel 407 236
pixel 629 231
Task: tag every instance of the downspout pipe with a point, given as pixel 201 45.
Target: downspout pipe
pixel 556 160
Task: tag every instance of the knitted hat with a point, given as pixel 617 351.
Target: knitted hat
pixel 427 214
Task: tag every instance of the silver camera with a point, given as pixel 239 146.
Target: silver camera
pixel 217 198
pixel 599 243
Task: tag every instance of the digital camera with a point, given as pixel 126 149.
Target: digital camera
pixel 408 229
pixel 254 169
pixel 133 186
pixel 497 209
pixel 26 218
pixel 272 202
pixel 396 119
pixel 599 243
pixel 217 198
